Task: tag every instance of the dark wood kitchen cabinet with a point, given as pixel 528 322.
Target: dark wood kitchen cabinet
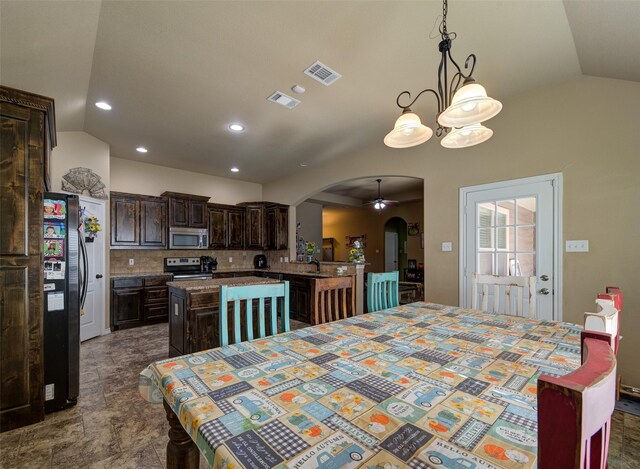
pixel 226 226
pixel 27 133
pixel 267 225
pixel 138 221
pixel 254 226
pixel 187 210
pixel 137 301
pixel 277 227
pixel 299 297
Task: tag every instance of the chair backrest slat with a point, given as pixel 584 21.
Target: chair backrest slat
pixel 242 298
pixel 502 288
pixel 332 298
pixel 382 290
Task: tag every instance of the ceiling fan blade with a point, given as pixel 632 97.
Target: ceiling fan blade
pixel 390 202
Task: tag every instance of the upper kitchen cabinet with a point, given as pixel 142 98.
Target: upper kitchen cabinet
pixel 267 225
pixel 277 227
pixel 138 221
pixel 27 133
pixel 187 210
pixel 226 226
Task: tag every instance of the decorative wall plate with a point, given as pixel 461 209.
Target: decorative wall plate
pixel 79 180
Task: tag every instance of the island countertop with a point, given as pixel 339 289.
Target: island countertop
pixel 214 284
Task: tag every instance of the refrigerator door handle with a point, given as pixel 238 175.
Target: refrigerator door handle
pixel 85 273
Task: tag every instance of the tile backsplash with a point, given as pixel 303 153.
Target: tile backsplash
pixel 152 260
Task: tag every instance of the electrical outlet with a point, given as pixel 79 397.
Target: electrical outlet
pixel 131 262
pixel 230 260
pixel 281 259
pixel 577 245
pixel 286 259
pixel 49 392
pixel 447 246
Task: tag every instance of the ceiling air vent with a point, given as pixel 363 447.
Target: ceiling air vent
pixel 322 73
pixel 280 98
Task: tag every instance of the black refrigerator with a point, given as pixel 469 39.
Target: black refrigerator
pixel 61 300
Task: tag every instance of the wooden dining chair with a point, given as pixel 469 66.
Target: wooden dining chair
pixel 501 293
pixel 256 298
pixel 382 291
pixel 574 411
pixel 605 319
pixel 332 299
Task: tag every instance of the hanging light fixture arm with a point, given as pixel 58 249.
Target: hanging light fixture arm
pixel 407 108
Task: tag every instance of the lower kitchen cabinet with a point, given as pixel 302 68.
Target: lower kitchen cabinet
pixel 299 297
pixel 137 301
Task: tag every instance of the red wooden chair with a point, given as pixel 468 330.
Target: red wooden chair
pixel 607 319
pixel 614 294
pixel 574 411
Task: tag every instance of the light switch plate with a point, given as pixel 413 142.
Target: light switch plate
pixel 131 261
pixel 447 246
pixel 577 245
pixel 230 260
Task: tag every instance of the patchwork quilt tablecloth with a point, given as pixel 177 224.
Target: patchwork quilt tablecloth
pixel 420 385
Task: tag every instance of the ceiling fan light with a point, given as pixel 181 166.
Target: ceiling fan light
pixel 470 105
pixel 467 136
pixel 382 205
pixel 408 132
pixel 377 206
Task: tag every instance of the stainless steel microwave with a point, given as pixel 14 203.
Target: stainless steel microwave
pixel 188 238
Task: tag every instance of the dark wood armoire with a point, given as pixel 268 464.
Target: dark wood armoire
pixel 27 134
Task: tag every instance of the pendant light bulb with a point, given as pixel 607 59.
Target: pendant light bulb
pixel 377 206
pixel 382 205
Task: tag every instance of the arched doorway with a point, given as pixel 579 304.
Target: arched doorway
pixel 395 242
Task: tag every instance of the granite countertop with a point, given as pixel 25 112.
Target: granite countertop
pixel 249 271
pixel 213 284
pixel 141 274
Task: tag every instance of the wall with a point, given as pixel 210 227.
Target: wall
pixel 149 179
pixel 309 215
pixel 585 128
pixel 339 223
pixel 79 149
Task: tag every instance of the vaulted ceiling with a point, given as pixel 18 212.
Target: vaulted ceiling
pixel 177 73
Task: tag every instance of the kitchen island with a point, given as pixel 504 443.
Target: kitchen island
pixel 193 312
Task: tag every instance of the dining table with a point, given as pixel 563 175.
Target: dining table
pixel 418 385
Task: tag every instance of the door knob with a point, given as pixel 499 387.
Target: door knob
pixel 544 278
pixel 98 275
pixel 544 291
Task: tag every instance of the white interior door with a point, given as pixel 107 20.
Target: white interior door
pixel 390 251
pixel 93 311
pixel 512 229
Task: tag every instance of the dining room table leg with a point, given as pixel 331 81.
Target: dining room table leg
pixel 182 452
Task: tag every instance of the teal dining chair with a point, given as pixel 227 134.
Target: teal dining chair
pixel 277 294
pixel 382 291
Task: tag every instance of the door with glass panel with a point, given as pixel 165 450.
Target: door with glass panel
pixel 509 229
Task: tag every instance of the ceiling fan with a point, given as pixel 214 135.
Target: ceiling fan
pixel 379 202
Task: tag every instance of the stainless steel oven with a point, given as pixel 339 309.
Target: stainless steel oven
pixel 188 238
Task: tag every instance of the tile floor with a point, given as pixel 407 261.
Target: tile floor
pixel 112 427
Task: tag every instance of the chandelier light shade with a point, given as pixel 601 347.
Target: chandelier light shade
pixel 470 105
pixel 462 104
pixel 466 136
pixel 408 132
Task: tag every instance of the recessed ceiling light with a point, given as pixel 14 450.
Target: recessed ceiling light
pixel 304 164
pixel 236 127
pixel 234 170
pixel 141 150
pixel 103 105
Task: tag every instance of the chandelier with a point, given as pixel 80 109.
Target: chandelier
pixel 459 118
